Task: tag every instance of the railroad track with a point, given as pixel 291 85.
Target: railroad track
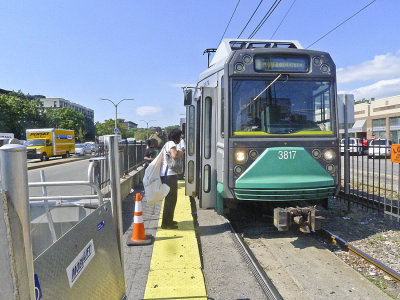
pixel 261 237
pixel 261 277
pixel 345 245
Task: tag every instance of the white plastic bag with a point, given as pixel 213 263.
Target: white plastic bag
pixel 154 189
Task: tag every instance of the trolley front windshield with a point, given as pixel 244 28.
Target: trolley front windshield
pixel 286 107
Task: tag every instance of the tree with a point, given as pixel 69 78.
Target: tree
pixel 168 129
pixel 107 127
pixel 67 118
pixel 18 113
pixel 141 134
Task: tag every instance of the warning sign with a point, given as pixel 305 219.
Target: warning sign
pixel 395 153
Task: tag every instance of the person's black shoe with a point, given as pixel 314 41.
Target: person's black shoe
pixel 172 226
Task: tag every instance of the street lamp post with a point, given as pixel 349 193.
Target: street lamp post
pixel 147 126
pixel 116 108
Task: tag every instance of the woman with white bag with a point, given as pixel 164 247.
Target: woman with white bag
pixel 170 177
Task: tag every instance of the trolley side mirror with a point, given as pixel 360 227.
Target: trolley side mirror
pixel 188 97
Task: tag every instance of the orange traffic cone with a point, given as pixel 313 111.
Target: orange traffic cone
pixel 139 237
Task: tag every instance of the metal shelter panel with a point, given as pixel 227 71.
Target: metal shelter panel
pixel 97 277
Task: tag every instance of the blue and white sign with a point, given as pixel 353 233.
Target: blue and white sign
pixel 115 130
pixel 79 264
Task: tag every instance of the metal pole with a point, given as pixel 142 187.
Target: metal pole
pixel 116 201
pixel 116 114
pixel 14 181
pixel 346 154
pixel 47 209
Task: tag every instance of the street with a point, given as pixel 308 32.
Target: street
pixel 73 171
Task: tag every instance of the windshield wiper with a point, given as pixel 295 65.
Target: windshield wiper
pixel 267 87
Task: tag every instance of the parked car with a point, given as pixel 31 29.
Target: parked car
pixel 355 146
pixel 91 146
pixel 82 149
pixel 379 148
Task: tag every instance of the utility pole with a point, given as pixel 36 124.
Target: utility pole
pixel 116 110
pixel 147 126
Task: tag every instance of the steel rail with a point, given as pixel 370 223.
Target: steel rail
pixel 261 277
pixel 337 240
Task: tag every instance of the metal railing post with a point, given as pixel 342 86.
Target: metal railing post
pixel 16 243
pixel 116 201
pixel 346 154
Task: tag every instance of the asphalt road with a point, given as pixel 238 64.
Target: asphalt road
pixel 373 165
pixel 72 171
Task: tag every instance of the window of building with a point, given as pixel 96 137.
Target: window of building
pixel 395 121
pixel 379 123
pixel 55 104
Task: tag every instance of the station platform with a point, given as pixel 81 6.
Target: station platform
pixel 199 260
pixel 174 270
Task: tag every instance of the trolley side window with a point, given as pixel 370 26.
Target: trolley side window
pixel 222 119
pixel 207 127
pixel 191 123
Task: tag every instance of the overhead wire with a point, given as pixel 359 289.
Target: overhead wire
pixel 250 18
pixel 265 18
pixel 283 19
pixel 353 15
pixel 229 21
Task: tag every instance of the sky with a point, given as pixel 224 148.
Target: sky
pixel 86 50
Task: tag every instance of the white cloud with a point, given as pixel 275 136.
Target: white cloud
pixel 381 67
pixel 147 110
pixel 380 89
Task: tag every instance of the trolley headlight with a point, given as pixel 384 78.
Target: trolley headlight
pixel 329 154
pixel 330 168
pixel 38 151
pixel 240 156
pixel 316 153
pixel 247 59
pixel 238 170
pixel 253 154
pixel 325 68
pixel 317 60
pixel 239 67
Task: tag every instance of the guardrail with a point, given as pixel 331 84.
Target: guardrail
pixel 130 158
pixel 370 179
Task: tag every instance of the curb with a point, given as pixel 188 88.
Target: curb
pixel 37 165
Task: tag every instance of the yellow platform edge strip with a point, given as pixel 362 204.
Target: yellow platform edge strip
pixel 175 268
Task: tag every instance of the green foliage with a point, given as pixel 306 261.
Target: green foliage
pixel 18 113
pixel 107 127
pixel 142 134
pixel 67 118
pixel 169 128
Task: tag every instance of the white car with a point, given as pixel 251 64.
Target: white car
pixel 379 148
pixel 355 146
pixel 82 149
pixel 91 146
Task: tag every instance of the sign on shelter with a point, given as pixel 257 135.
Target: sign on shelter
pixel 395 153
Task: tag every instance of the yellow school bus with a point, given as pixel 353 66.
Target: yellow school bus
pixel 48 142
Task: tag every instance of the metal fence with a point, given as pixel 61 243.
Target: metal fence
pixel 370 179
pixel 130 157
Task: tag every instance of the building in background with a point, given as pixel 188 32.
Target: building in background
pixel 378 119
pixel 87 112
pixel 129 125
